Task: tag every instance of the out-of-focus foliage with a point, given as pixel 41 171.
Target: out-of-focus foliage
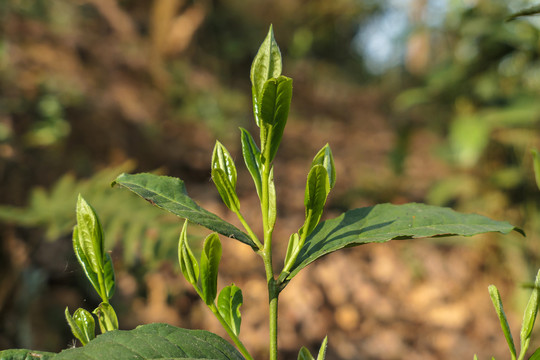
pixel 479 85
pixel 144 234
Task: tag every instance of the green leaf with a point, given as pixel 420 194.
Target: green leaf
pixel 82 325
pixel 188 262
pixel 90 235
pixel 170 194
pixel 221 159
pixel 294 240
pixel 106 317
pixel 304 354
pixel 226 189
pixel 210 257
pixel 533 10
pixel 384 222
pixel 274 111
pixel 108 275
pixel 535 355
pixel 322 350
pixel 325 158
pixel 536 164
pixel 24 354
pixel 86 323
pixel 252 157
pixel 224 176
pixel 229 301
pixel 84 262
pixel 497 303
pixel 317 189
pixel 266 65
pixel 146 342
pixel 531 310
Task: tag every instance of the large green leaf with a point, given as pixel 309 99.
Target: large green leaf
pixel 170 194
pixel 153 341
pixel 386 222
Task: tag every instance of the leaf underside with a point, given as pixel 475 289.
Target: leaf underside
pixel 170 194
pixel 384 222
pixel 153 341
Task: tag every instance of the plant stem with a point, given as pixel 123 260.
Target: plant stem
pixel 231 333
pixel 248 229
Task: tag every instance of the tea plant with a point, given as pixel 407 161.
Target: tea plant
pixel 271 94
pixel 533 305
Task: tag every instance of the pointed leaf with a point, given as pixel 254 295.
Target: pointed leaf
pixel 85 322
pixel 266 65
pixel 317 189
pixel 108 275
pixel 325 158
pixel 322 350
pixel 304 354
pixel 188 262
pixel 106 317
pixel 531 310
pixel 221 159
pixel 210 257
pixel 170 194
pixel 384 222
pixel 274 111
pixel 294 239
pixel 75 329
pixel 229 301
pixel 252 157
pixel 226 189
pixel 90 235
pixel 497 303
pixel 84 262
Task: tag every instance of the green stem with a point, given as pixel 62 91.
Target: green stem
pixel 273 291
pixel 248 229
pixel 102 290
pixel 231 333
pixel 287 268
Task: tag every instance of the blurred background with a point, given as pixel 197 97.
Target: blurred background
pixel 433 101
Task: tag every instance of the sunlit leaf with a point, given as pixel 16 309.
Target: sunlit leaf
pixel 188 262
pixel 274 111
pixel 229 301
pixel 384 222
pixel 266 65
pixel 325 158
pixel 107 319
pixel 210 257
pixel 90 235
pixel 170 194
pixel 252 157
pixel 497 303
pixel 317 189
